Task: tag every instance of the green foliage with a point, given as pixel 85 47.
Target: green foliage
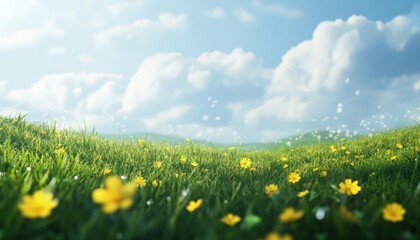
pixel 71 165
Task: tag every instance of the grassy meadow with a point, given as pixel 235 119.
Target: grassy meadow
pixel 151 197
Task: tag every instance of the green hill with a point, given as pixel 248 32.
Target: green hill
pixel 69 185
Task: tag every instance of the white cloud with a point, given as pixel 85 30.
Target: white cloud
pixel 310 80
pixel 417 86
pixel 243 15
pixel 119 8
pixel 3 86
pixel 217 13
pixel 278 8
pixel 29 37
pixel 165 21
pixel 54 51
pixel 57 92
pixel 86 58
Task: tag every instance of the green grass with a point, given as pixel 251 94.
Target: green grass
pixel 218 180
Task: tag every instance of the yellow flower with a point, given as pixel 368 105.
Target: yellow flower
pixel 283 159
pixel 245 163
pixel 323 173
pixel 155 183
pixel 290 215
pixel 388 152
pixel 347 152
pixel 157 164
pixel 141 142
pixel 106 171
pixel 194 163
pixel 343 148
pixel 293 177
pixel 194 205
pixel 332 149
pixel 399 145
pixel 232 149
pixel 315 169
pixel 276 236
pixel 230 219
pixel 346 215
pixel 285 166
pixel 115 196
pixel 183 159
pixel 271 189
pixel 140 181
pixel 393 158
pixel 348 187
pixel 303 193
pixel 39 205
pixel 59 151
pixel 393 212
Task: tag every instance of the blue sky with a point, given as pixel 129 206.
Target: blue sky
pixel 226 71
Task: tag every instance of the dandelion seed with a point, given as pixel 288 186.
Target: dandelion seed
pixel 393 212
pixel 349 187
pixel 185 192
pixel 357 93
pixel 28 169
pixel 38 205
pixel 230 219
pixel 75 177
pixel 149 202
pixel 290 215
pixel 293 177
pixel 123 177
pixel 168 198
pixel 320 214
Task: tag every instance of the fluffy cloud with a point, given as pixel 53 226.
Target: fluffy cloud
pixel 165 21
pixel 278 8
pixel 342 60
pixel 216 12
pixel 243 15
pixel 29 37
pixel 66 91
pixel 54 51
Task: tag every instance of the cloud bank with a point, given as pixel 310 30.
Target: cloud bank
pixel 353 74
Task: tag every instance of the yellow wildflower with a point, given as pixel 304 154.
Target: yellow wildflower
pixel 232 148
pixel 276 236
pixel 230 219
pixel 183 159
pixel 140 181
pixel 157 164
pixel 290 215
pixel 115 196
pixel 393 158
pixel 349 187
pixel 271 189
pixel 59 151
pixel 194 163
pixel 293 177
pixel 155 183
pixel 323 173
pixel 333 149
pixel 283 159
pixel 141 142
pixel 106 171
pixel 393 212
pixel 343 148
pixel 303 193
pixel 399 145
pixel 388 152
pixel 38 205
pixel 285 166
pixel 315 169
pixel 347 152
pixel 245 163
pixel 346 215
pixel 194 205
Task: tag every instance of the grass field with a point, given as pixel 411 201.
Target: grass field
pixel 74 167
